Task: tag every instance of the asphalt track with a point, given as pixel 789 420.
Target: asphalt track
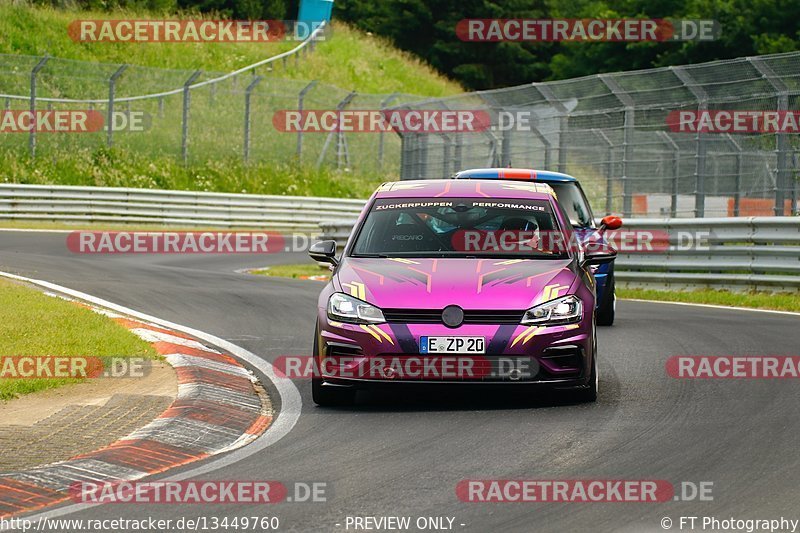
pixel 403 454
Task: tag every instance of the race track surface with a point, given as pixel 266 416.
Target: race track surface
pixel 403 454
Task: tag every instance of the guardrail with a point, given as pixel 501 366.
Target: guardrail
pixel 748 253
pixel 149 206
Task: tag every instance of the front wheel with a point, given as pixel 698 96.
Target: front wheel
pixel 589 394
pixel 608 306
pixel 328 396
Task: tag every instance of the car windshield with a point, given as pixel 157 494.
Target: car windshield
pixel 459 227
pixel 574 204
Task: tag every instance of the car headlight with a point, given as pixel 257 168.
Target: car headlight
pixel 344 308
pixel 564 310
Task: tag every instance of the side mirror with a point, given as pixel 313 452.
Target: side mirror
pixel 610 222
pixel 324 252
pixel 598 254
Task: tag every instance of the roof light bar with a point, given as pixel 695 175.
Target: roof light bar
pixel 498 173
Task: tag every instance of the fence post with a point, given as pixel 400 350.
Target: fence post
pixel 458 156
pixel 405 156
pixel 385 102
pixel 607 165
pixel 782 142
pixel 700 142
pixel 627 139
pixel 247 93
pixel 39 66
pixel 339 134
pixel 447 147
pixel 548 147
pixel 300 100
pixel 563 123
pixel 739 168
pixel 676 153
pixel 112 89
pixel 185 126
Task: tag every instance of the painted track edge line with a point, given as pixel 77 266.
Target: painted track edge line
pixel 284 421
pixel 712 306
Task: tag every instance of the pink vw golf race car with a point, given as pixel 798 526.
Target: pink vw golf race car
pixel 477 282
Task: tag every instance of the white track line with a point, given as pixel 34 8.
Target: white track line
pixel 752 309
pixel 282 424
pixel 32 230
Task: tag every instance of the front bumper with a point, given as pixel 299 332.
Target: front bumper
pixel 368 356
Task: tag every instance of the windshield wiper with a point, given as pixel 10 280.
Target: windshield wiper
pixel 371 256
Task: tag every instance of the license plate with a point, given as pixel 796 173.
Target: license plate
pixel 431 345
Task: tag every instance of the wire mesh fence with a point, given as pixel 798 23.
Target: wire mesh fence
pixel 192 115
pixel 615 133
pixel 612 131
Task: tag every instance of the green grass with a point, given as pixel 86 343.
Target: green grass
pixel 119 167
pixel 33 324
pixel 349 59
pixel 757 300
pixel 292 271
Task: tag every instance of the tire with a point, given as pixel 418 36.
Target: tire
pixel 589 394
pixel 607 308
pixel 328 396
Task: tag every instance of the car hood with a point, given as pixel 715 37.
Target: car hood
pixel 510 284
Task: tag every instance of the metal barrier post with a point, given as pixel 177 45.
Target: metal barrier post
pixel 607 165
pixel 247 93
pixel 185 126
pixel 700 142
pixel 385 102
pixel 676 151
pixel 563 123
pixel 300 99
pixel 344 103
pixel 739 169
pixel 782 142
pixel 32 140
pixel 112 88
pixel 627 139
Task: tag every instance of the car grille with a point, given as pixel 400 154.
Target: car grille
pixel 434 316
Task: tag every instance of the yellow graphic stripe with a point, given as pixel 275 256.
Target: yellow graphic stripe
pixel 510 262
pixel 552 292
pixel 404 261
pixel 368 330
pixel 529 330
pixel 383 334
pixel 531 334
pixel 356 289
